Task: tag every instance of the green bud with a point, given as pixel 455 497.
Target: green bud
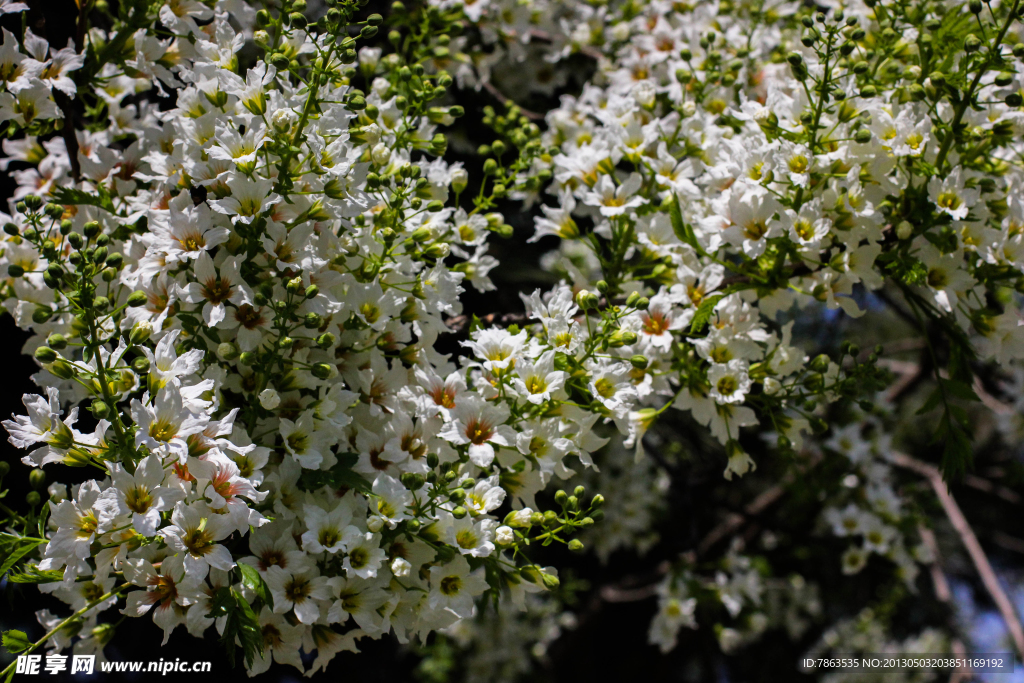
pixel 247 358
pixel 33 202
pixel 321 370
pixel 91 229
pixel 312 291
pixel 597 501
pixel 14 270
pixel 227 351
pixel 1014 99
pixel 99 408
pixel 622 338
pixel 639 362
pixel 141 331
pixel 325 340
pixel 137 298
pixel 37 479
pixel 576 545
pixel 56 341
pixel 820 363
pixel 972 43
pixel 560 497
pixel 62 369
pixel 41 314
pixel 33 498
pixel 586 300
pixel 459 512
pixel 44 354
pixel 412 481
pixel 141 365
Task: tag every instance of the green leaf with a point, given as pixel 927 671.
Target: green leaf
pixel 252 580
pixel 16 641
pixel 13 550
pixel 932 403
pixel 959 389
pixel 36 575
pixel 241 624
pixel 682 230
pixel 73 196
pixel 341 476
pixel 704 311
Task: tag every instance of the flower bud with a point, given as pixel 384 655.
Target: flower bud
pixel 904 230
pixel 269 398
pixel 33 498
pixel 37 479
pixel 44 354
pixel 459 512
pixel 586 300
pixel 227 351
pixel 400 567
pixel 576 546
pixel 137 298
pixel 62 369
pixel 504 535
pixel 380 154
pixel 622 338
pixel 141 331
pixel 412 481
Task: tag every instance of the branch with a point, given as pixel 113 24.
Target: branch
pixel 501 97
pixel 970 541
pixel 944 595
pixel 460 323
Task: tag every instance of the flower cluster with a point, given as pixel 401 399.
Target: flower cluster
pixel 239 243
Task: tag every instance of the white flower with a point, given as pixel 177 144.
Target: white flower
pixel 325 530
pixel 143 494
pixel 28 105
pixel 194 533
pixel 363 554
pixel 298 591
pixel 453 587
pixel 479 425
pixel 729 381
pixel 248 199
pixel 392 500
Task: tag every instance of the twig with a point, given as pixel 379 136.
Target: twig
pixel 943 594
pixel 501 97
pixel 460 323
pixel 970 541
pixel 545 37
pixel 982 484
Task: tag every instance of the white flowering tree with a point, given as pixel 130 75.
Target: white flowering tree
pixel 238 237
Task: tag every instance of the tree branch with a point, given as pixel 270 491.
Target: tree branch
pixel 970 541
